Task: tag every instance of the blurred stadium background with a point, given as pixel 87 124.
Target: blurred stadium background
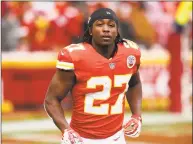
pixel 33 32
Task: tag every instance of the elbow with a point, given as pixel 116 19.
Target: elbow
pixel 47 106
pixel 46 103
pixel 50 101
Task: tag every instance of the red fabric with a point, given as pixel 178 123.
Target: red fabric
pixel 61 7
pixel 88 64
pixel 74 27
pixel 58 32
pixel 64 56
pixel 63 28
pixel 38 38
pixel 175 69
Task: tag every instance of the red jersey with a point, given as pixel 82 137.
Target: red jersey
pixel 101 83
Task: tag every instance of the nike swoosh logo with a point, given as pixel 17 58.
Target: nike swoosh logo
pixel 116 138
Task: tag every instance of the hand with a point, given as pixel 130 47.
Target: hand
pixel 133 127
pixel 71 137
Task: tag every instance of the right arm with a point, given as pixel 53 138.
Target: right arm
pixel 61 83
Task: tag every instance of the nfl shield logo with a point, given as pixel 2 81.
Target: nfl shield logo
pixel 112 65
pixel 131 60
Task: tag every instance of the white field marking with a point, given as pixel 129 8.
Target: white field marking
pixel 47 124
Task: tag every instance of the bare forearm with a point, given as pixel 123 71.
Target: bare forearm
pixel 134 98
pixel 56 112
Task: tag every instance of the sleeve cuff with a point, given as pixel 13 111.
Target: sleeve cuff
pixel 65 65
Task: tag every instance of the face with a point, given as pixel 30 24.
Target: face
pixel 104 31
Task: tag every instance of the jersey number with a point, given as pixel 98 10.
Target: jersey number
pixel 106 82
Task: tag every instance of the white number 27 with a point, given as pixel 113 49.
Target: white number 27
pixel 106 82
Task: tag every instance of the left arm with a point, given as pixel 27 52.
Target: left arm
pixel 134 94
pixel 134 98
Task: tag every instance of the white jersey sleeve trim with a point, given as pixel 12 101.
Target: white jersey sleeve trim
pixel 64 65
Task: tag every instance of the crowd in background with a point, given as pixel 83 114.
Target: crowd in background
pixel 50 26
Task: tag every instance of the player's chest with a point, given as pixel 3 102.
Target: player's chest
pixel 97 65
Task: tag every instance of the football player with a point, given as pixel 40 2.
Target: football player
pixel 100 73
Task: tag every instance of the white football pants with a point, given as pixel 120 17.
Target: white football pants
pixel 117 138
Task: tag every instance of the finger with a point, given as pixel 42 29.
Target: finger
pixel 131 128
pixel 135 133
pixel 71 138
pixel 128 124
pixel 77 136
pixel 132 121
pixel 131 132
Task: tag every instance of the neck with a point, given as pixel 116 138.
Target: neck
pixel 105 50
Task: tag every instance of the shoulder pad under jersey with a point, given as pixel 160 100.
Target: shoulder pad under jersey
pixel 74 47
pixel 130 44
